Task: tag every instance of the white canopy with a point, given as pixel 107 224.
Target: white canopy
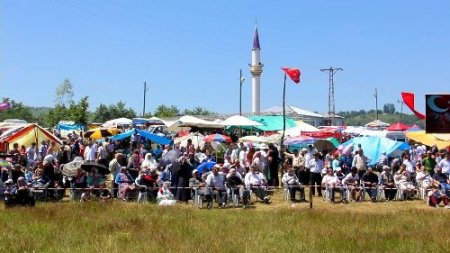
pixel 117 122
pixel 301 126
pixel 191 121
pixel 238 120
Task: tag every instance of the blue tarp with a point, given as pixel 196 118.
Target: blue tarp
pixel 145 134
pixel 69 127
pixel 122 136
pixel 155 138
pixel 374 146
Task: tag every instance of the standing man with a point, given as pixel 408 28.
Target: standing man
pixel 316 166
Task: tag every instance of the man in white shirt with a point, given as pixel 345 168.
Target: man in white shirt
pixel 351 181
pixel 316 166
pixel 331 184
pixel 257 182
pixel 216 185
pixel 444 164
pixel 292 183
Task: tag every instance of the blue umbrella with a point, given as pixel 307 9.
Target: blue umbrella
pixel 205 166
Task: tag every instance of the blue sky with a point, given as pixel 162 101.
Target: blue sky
pixel 190 52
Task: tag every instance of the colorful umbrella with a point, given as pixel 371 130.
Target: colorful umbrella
pixel 299 140
pixel 99 133
pixel 217 137
pixel 399 126
pixel 205 166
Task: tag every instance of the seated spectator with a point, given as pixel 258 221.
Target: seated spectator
pixel 257 182
pixel 235 182
pixel 423 179
pixel 165 176
pixel 332 184
pixel 165 196
pixel 17 172
pixel 370 182
pixel 444 182
pixel 93 181
pixel 435 197
pixel 125 183
pixel 388 183
pixel 351 181
pixel 40 180
pixel 216 185
pixel 10 192
pixel 147 181
pixel 104 193
pixel 403 182
pixel 291 182
pixel 197 183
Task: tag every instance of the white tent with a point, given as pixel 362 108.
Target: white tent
pixel 238 120
pixel 117 122
pixel 301 126
pixel 191 121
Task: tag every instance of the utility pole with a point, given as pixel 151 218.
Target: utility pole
pixel 401 107
pixel 331 104
pixel 145 92
pixel 241 81
pixel 376 102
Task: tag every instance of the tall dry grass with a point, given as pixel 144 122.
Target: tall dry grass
pixel 280 227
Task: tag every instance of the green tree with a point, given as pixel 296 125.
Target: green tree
pixel 17 111
pixel 163 111
pixel 78 112
pixel 56 114
pixel 197 111
pixel 389 108
pixel 104 113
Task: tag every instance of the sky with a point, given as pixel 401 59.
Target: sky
pixel 190 52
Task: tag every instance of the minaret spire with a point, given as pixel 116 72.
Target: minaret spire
pixel 256 40
pixel 256 68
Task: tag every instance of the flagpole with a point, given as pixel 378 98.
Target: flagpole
pixel 284 112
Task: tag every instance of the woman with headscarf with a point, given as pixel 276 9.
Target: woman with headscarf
pixel 149 162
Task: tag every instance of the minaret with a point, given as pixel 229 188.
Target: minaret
pixel 256 68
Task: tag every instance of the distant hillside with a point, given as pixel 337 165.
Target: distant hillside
pixel 360 118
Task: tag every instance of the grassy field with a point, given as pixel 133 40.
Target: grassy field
pixel 280 227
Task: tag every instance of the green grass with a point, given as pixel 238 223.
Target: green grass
pixel 280 227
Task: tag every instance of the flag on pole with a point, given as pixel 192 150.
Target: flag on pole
pixel 408 99
pixel 293 73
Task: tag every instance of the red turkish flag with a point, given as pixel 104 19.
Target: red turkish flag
pixel 293 73
pixel 408 99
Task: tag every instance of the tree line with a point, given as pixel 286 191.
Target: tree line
pixel 66 108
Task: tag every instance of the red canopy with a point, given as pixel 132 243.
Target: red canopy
pixel 399 126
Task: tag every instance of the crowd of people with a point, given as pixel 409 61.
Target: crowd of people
pixel 172 174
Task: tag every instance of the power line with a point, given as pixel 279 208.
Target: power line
pixel 331 104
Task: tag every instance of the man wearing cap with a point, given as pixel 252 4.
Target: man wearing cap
pixel 388 183
pixel 292 183
pixel 216 185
